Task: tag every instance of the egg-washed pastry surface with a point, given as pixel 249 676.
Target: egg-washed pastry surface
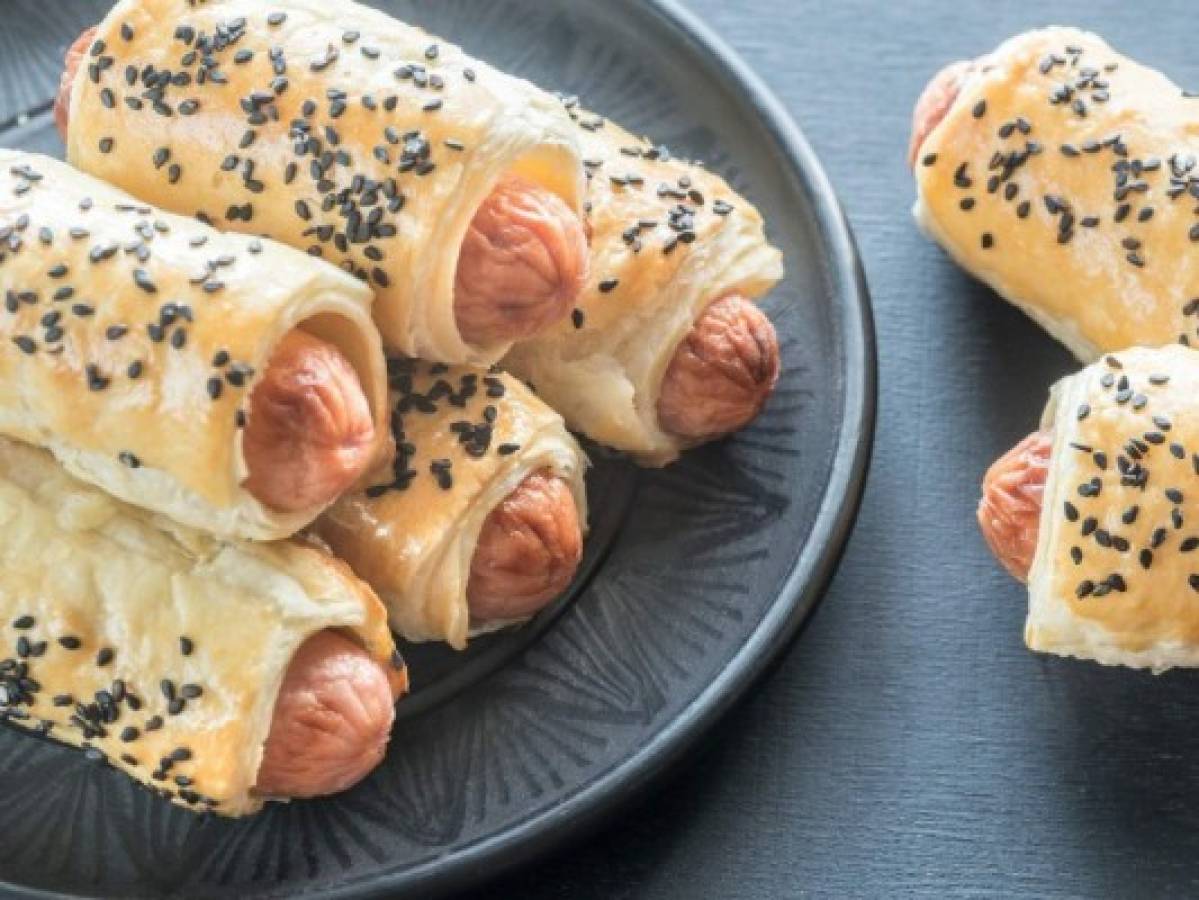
pixel 1065 176
pixel 131 339
pixel 152 645
pixel 1115 577
pixel 466 439
pixel 329 126
pixel 667 239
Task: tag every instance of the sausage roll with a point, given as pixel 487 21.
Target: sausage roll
pixel 453 189
pixel 233 384
pixel 665 348
pixel 483 523
pixel 1064 176
pixel 217 674
pixel 1096 511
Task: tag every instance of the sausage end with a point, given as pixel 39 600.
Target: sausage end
pixel 1009 513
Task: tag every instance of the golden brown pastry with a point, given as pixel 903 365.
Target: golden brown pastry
pixel 231 383
pixel 218 674
pixel 483 523
pixel 665 349
pixel 1094 511
pixel 454 190
pixel 1063 175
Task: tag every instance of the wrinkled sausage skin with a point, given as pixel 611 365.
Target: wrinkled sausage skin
pixel 521 267
pixel 1009 513
pixel 528 551
pixel 934 104
pixel 722 373
pixel 62 103
pixel 309 435
pixel 331 722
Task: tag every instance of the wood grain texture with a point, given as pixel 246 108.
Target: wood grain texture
pixel 909 744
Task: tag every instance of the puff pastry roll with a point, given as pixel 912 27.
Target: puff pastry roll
pixel 1063 175
pixel 665 349
pixel 483 523
pixel 1096 511
pixel 147 352
pixel 338 130
pixel 172 654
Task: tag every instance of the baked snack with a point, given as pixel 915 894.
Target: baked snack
pixel 1063 175
pixel 172 654
pixel 665 348
pixel 482 525
pixel 338 130
pixel 1094 511
pixel 231 383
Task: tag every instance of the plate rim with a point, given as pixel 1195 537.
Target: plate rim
pixel 805 586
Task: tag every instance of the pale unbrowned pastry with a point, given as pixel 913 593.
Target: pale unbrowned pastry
pixel 340 131
pixel 1063 174
pixel 668 241
pixel 488 491
pixel 192 664
pixel 1094 510
pixel 137 346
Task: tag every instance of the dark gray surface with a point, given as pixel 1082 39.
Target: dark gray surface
pixel 910 743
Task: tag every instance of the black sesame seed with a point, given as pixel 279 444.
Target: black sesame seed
pixel 143 281
pixel 980 109
pixel 987 241
pixel 104 657
pixel 69 642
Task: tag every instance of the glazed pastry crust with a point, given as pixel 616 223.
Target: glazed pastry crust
pixel 95 282
pixel 1132 598
pixel 668 238
pixel 414 544
pixel 128 587
pixel 1114 278
pixel 445 147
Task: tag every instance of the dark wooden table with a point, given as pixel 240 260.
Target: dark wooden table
pixel 909 743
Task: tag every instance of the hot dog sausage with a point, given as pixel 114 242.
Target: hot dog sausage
pixel 309 432
pixel 528 551
pixel 523 263
pixel 62 103
pixel 331 722
pixel 521 266
pixel 722 373
pixel 1010 511
pixel 935 102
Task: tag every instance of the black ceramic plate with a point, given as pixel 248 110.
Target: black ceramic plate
pixel 696 578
